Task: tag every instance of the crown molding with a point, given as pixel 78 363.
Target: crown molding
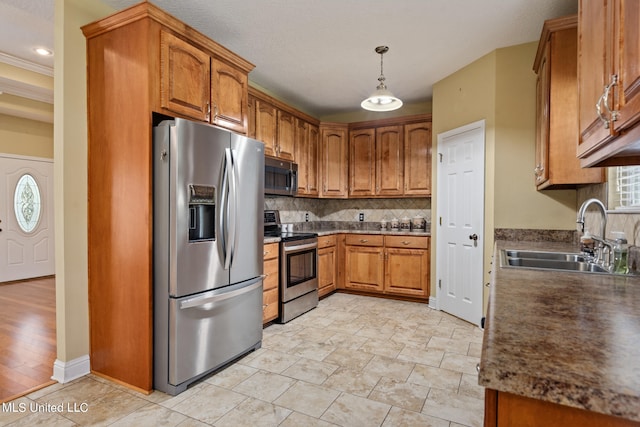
pixel 26 65
pixel 24 90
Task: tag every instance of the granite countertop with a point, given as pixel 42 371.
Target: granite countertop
pixel 327 232
pixel 330 231
pixel 567 338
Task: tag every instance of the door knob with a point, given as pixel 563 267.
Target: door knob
pixel 473 237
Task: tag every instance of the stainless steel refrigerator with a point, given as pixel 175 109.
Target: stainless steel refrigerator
pixel 208 230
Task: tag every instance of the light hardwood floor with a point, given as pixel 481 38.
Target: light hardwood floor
pixel 27 336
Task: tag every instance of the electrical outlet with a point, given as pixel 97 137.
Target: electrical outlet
pixel 306 217
pixel 361 216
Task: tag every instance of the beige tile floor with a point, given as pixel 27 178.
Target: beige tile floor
pixel 353 361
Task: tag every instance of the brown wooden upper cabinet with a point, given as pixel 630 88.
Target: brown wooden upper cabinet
pixel 417 159
pixel 307 144
pixel 195 84
pixel 266 126
pixel 557 108
pixel 390 160
pixel 286 131
pixel 376 162
pixel 609 82
pixel 333 161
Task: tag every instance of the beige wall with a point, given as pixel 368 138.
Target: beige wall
pixel 70 174
pixel 25 137
pixel 500 88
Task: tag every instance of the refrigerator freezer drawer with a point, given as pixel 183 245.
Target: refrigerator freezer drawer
pixel 210 329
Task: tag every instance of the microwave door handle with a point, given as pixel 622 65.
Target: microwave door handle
pixel 233 206
pixel 208 299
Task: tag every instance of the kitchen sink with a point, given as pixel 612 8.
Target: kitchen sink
pixel 561 256
pixel 562 261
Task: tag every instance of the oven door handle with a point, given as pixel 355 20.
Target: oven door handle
pixel 300 247
pixel 208 299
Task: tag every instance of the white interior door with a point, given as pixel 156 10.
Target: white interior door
pixel 460 223
pixel 26 218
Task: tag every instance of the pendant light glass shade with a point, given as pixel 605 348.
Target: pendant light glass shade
pixel 382 99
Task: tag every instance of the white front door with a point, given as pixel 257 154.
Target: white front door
pixel 26 218
pixel 460 221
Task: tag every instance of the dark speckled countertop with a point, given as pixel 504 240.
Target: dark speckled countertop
pixel 330 231
pixel 567 338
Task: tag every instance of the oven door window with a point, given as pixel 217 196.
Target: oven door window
pixel 301 266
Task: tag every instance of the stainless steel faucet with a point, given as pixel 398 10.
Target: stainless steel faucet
pixel 603 242
pixel 583 209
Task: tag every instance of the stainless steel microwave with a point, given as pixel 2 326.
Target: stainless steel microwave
pixel 280 177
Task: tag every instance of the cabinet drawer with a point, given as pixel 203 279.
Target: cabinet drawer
pixel 269 305
pixel 271 273
pixel 270 251
pixel 364 240
pixel 413 242
pixel 326 241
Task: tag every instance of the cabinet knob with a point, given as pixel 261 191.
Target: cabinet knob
pixel 404 242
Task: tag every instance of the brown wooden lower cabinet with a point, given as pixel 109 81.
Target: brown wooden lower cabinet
pixel 270 295
pixel 394 265
pixel 510 410
pixel 327 256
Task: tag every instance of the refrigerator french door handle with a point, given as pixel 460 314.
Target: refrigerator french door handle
pixel 208 299
pixel 230 209
pixel 233 206
pixel 224 203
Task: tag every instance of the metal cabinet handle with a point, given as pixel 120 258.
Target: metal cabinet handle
pixel 208 115
pixel 613 81
pixel 404 242
pixel 215 112
pixel 604 100
pixel 363 240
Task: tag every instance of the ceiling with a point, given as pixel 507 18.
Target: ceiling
pixel 318 55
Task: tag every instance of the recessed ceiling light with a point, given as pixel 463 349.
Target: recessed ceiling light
pixel 43 51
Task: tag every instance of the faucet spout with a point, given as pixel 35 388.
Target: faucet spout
pixel 583 210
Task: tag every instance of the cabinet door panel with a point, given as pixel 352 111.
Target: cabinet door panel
pixel 541 171
pixel 184 78
pixel 326 270
pixel 417 159
pixel 628 63
pixel 269 305
pixel 594 70
pixel 365 268
pixel 313 187
pixel 302 155
pixel 266 126
pixel 228 96
pixel 286 131
pixel 334 162
pixel 389 161
pixel 407 272
pixel 362 161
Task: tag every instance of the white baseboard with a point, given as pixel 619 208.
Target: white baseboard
pixel 433 303
pixel 63 372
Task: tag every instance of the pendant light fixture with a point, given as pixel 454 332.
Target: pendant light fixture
pixel 382 99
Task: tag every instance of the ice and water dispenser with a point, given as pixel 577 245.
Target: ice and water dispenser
pixel 202 213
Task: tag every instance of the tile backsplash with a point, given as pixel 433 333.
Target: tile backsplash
pixel 294 209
